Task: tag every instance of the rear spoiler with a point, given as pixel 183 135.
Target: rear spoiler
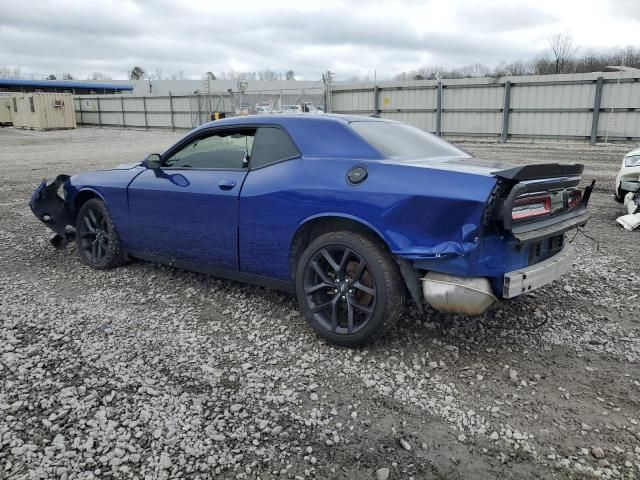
pixel 540 170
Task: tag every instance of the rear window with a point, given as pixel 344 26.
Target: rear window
pixel 398 140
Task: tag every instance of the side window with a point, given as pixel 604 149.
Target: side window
pixel 224 149
pixel 272 145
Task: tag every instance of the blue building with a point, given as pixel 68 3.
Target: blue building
pixel 63 86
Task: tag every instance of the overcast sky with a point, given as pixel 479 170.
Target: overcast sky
pixel 350 37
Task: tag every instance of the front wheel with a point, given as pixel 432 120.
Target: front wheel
pixel 349 288
pixel 96 236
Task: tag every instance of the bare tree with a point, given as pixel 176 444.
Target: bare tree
pixel 99 76
pixel 210 76
pixel 268 75
pixel 562 51
pixel 52 77
pixel 290 75
pixel 631 57
pixel 158 74
pixel 11 73
pixel 67 76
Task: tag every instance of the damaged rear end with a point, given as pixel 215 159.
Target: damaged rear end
pixel 543 202
pixel 523 247
pixel 49 204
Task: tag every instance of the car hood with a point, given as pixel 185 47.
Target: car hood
pixel 629 173
pixel 125 166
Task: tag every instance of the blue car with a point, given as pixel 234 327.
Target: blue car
pixel 354 214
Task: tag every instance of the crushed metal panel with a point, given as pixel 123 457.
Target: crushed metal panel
pixel 629 222
pixel 51 209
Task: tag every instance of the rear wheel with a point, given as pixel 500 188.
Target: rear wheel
pixel 349 288
pixel 96 236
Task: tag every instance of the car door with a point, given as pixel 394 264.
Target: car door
pixel 187 210
pixel 268 212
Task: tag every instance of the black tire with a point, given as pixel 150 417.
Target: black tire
pixel 345 302
pixel 620 194
pixel 96 236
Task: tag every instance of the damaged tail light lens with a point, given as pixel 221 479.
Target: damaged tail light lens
pixel 574 197
pixel 531 206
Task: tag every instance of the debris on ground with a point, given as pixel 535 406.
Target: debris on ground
pixel 631 220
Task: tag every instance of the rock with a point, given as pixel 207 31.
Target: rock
pixel 165 461
pixel 597 452
pixel 314 397
pixel 382 474
pixel 58 441
pixel 236 407
pixel 404 444
pixel 494 436
pixel 513 375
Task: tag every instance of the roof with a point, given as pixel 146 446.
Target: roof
pixel 280 118
pixel 5 82
pixel 310 132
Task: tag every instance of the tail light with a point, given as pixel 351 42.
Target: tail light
pixel 574 197
pixel 531 206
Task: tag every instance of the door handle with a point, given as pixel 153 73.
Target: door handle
pixel 226 184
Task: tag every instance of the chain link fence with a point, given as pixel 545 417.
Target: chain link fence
pixel 187 111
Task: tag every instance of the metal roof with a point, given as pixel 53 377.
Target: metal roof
pixel 63 84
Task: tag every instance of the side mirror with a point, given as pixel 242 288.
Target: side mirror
pixel 152 161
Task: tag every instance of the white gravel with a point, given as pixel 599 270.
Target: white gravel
pixel 152 372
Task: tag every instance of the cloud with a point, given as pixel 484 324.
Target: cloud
pixel 351 37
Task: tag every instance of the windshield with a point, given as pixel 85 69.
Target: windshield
pixel 398 140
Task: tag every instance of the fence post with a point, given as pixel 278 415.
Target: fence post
pixel 505 112
pixel 99 113
pixel 439 109
pixel 122 109
pixel 80 103
pixel 376 101
pixel 144 108
pixel 596 110
pixel 173 127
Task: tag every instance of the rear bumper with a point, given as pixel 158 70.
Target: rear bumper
pixel 535 276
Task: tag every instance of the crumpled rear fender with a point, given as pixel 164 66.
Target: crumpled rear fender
pixel 52 210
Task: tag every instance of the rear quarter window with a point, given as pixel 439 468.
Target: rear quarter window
pixel 272 145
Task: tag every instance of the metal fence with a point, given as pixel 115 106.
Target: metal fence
pixel 184 111
pixel 594 107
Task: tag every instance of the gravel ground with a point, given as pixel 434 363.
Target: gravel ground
pixel 152 372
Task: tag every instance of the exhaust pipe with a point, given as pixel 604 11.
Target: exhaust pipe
pixel 452 294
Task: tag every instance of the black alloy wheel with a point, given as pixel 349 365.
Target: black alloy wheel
pixel 340 289
pixel 93 235
pixel 349 287
pixel 96 236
